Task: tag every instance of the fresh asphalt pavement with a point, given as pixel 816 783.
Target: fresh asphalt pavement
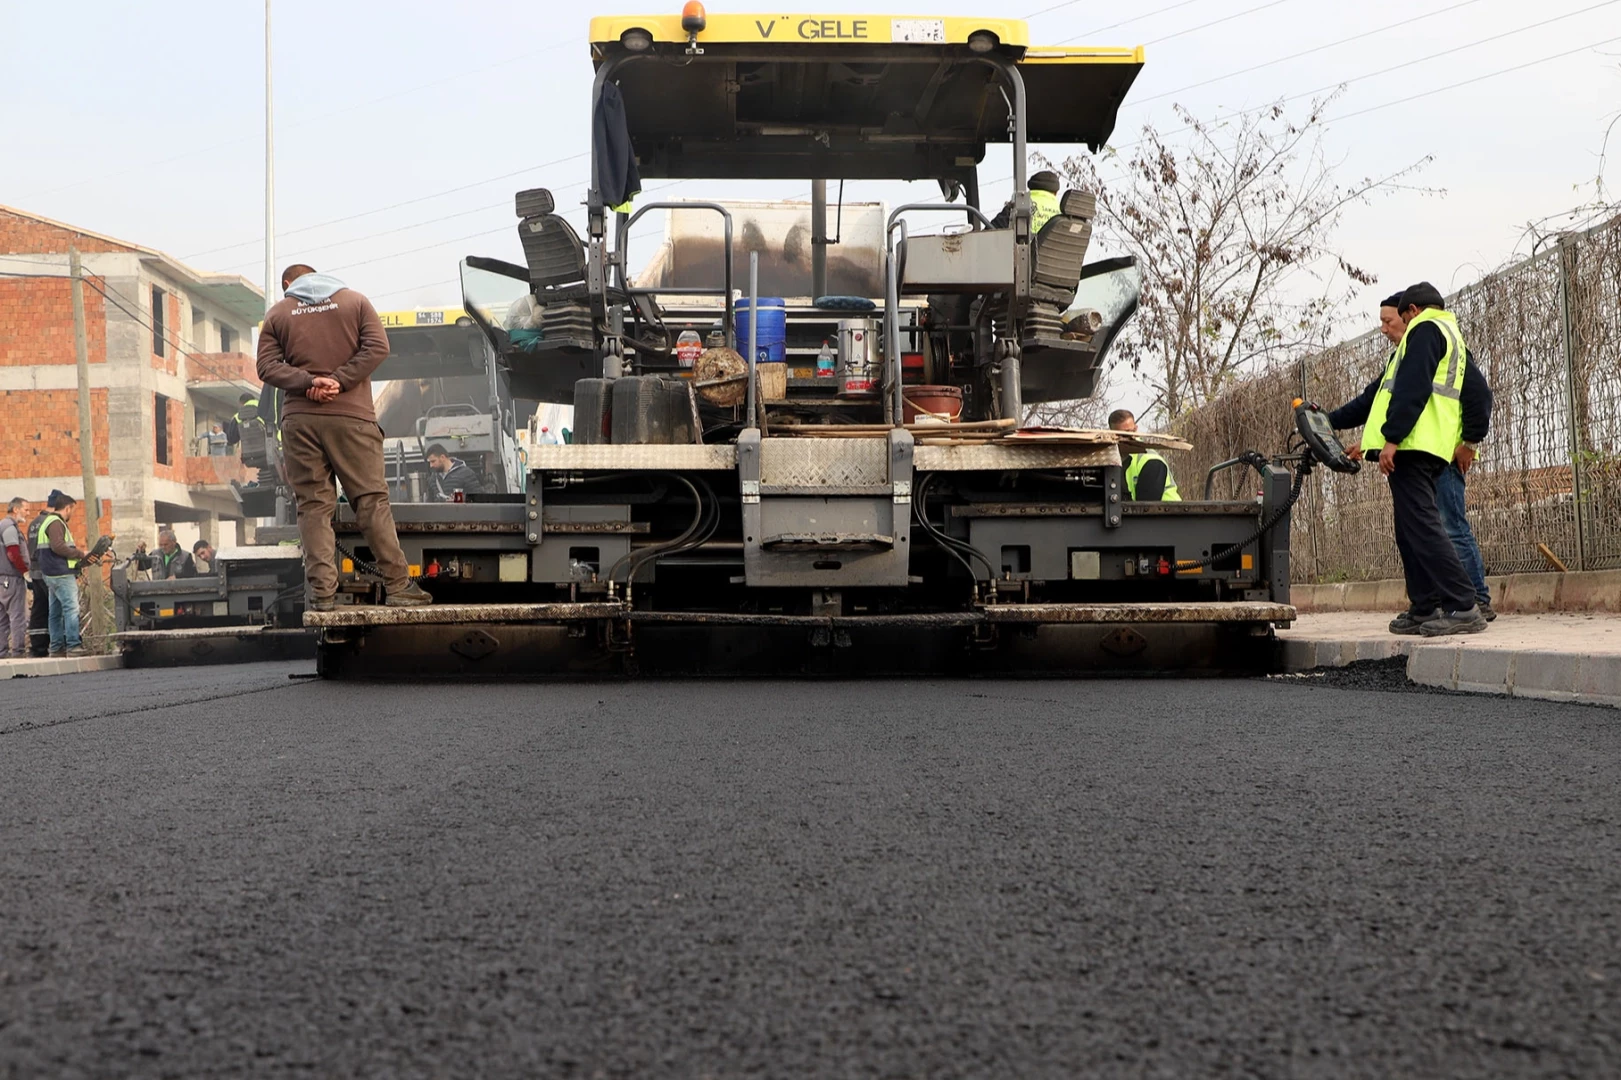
pixel 225 872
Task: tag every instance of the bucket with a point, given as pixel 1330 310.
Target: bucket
pixel 931 404
pixel 771 329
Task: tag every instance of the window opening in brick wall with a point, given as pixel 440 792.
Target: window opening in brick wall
pixel 160 423
pixel 157 321
pixel 227 339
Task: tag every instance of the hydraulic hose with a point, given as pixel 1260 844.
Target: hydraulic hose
pixel 1301 471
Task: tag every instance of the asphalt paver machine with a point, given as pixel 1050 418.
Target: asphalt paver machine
pixel 735 510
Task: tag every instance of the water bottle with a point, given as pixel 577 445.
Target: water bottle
pixel 827 365
pixel 688 347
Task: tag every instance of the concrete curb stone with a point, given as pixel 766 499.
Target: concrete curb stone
pixel 1553 657
pixel 36 666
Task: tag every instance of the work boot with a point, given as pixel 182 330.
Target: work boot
pixel 323 603
pixel 1408 622
pixel 1457 622
pixel 413 595
pixel 1486 611
pixel 80 650
pixel 57 654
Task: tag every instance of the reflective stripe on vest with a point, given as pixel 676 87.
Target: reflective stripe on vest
pixel 1043 208
pixel 1134 469
pixel 44 542
pixel 1439 428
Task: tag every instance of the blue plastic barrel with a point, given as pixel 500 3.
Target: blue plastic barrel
pixel 771 329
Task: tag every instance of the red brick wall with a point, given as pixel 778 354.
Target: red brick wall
pixel 222 367
pixel 215 469
pixel 39 432
pixel 176 469
pixel 24 236
pixel 36 322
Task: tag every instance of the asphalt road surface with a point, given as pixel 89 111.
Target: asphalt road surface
pixel 226 873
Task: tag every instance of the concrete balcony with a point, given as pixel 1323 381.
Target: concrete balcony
pixel 215 472
pixel 220 379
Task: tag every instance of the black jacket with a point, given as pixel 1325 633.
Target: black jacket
pixel 459 475
pixel 1411 392
pixel 614 159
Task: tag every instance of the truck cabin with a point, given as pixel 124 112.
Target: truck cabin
pixel 1001 313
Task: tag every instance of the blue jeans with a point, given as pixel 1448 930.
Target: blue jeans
pixel 64 592
pixel 1449 489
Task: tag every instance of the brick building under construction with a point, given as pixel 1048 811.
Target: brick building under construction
pixel 169 355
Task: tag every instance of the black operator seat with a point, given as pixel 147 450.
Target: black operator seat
pixel 556 258
pixel 1059 250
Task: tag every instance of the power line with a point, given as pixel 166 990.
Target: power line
pixel 1480 78
pixel 1218 22
pixel 1134 18
pixel 1305 52
pixel 325 114
pixel 396 206
pixel 173 337
pixel 1425 59
pixel 1385 71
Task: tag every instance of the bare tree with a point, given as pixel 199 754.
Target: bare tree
pixel 1234 228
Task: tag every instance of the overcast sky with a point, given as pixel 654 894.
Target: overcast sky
pixel 150 128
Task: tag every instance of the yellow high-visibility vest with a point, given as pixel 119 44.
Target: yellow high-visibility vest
pixel 1043 208
pixel 1134 469
pixel 1439 429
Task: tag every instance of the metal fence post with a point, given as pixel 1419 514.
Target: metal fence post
pixel 1567 260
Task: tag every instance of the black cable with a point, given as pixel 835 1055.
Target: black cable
pixel 658 549
pixel 1301 471
pixel 174 340
pixel 960 548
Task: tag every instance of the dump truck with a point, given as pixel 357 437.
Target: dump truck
pixel 741 509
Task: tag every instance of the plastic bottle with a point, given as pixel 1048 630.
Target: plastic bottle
pixel 827 365
pixel 688 347
pixel 547 438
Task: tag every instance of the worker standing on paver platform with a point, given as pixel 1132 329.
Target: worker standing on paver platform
pixel 321 344
pixel 1148 474
pixel 14 569
pixel 1413 424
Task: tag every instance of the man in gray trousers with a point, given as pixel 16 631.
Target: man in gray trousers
pixel 14 581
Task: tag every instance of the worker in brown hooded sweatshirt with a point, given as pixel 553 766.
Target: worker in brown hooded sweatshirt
pixel 321 344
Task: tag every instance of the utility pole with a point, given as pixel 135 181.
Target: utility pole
pixel 87 453
pixel 270 174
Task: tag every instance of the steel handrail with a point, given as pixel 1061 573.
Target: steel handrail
pixel 893 409
pixel 621 259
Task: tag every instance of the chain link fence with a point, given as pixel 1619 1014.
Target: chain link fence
pixel 1547 334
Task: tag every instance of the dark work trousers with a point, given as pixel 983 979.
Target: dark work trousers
pixel 1435 577
pixel 39 619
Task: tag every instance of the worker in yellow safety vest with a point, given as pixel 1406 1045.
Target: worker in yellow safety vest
pixel 1044 206
pixel 1412 417
pixel 59 562
pixel 1148 474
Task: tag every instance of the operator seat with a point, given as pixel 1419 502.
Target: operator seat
pixel 556 258
pixel 1056 257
